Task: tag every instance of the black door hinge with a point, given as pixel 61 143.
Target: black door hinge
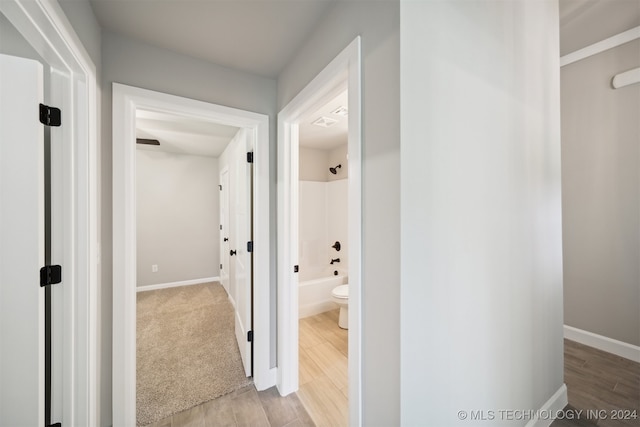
pixel 249 246
pixel 296 268
pixel 50 116
pixel 220 187
pixel 250 157
pixel 250 336
pixel 220 266
pixel 50 275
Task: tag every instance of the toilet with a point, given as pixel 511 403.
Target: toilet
pixel 340 295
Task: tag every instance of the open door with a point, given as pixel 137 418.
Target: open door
pixel 224 229
pixel 242 239
pixel 22 372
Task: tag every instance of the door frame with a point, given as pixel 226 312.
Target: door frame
pixel 341 73
pixel 126 100
pixel 74 195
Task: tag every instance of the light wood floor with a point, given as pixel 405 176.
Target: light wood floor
pixel 323 350
pixel 242 408
pixel 601 382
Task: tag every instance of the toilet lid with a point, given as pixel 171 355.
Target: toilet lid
pixel 341 291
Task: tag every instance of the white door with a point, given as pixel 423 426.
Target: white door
pixel 21 243
pixel 242 258
pixel 224 229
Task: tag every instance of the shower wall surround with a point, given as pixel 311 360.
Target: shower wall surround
pixel 322 216
pixel 322 222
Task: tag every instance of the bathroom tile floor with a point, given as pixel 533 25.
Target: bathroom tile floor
pixel 323 352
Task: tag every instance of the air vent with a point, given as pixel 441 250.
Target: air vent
pixel 324 122
pixel 145 141
pixel 341 111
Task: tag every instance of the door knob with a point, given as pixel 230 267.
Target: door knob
pixel 232 253
pixel 226 239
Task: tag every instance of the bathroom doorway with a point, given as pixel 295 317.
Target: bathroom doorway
pixel 338 83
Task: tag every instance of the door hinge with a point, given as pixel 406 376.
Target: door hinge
pixel 250 336
pixel 249 246
pixel 220 187
pixel 50 116
pixel 220 266
pixel 50 275
pixel 220 226
pixel 250 157
pixel 296 268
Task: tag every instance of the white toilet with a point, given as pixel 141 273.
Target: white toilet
pixel 340 295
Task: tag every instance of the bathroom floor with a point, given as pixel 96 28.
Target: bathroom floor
pixel 323 350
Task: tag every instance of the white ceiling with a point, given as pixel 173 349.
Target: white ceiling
pixel 257 36
pixel 184 135
pixel 261 36
pixel 325 138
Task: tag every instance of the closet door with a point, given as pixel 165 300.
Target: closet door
pixel 21 243
pixel 242 259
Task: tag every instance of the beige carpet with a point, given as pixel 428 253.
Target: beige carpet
pixel 186 350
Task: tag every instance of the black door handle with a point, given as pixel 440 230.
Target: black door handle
pixel 226 239
pixel 232 253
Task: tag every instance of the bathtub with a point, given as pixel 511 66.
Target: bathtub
pixel 314 292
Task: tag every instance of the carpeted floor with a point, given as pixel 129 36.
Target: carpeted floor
pixel 186 350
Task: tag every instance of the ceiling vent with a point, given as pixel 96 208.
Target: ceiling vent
pixel 324 122
pixel 341 111
pixel 145 141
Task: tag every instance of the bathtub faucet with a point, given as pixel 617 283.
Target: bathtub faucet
pixel 335 260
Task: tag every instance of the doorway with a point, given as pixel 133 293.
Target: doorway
pixel 341 75
pixel 126 101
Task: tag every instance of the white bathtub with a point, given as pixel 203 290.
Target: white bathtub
pixel 314 292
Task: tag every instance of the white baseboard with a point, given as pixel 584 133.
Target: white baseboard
pixel 622 349
pixel 547 413
pixel 174 284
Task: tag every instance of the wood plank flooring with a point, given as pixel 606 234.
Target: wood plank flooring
pixel 323 350
pixel 603 383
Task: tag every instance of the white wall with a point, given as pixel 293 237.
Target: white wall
pixel 481 209
pixel 601 195
pixel 312 164
pixel 138 64
pixel 313 252
pixel 378 25
pixel 178 212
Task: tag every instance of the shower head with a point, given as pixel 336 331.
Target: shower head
pixel 335 170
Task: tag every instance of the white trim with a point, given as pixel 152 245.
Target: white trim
pixel 177 284
pixel 74 192
pixel 622 349
pixel 551 408
pixel 601 46
pixel 627 78
pixel 126 99
pixel 343 72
